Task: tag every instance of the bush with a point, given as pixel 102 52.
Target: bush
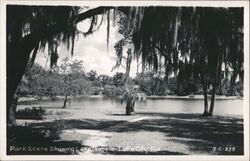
pixel 55 130
pixel 34 113
pixel 37 136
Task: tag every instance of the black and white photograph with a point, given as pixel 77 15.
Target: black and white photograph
pixel 125 79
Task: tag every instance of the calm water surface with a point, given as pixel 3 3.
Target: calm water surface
pixel 162 105
pixel 93 104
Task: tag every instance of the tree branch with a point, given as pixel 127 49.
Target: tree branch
pixel 92 12
pixel 49 31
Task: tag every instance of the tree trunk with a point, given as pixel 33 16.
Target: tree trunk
pixel 205 113
pixel 65 102
pixel 128 64
pixel 211 110
pixel 204 84
pixel 11 119
pixel 133 106
pixel 15 71
pixel 129 106
pixel 18 54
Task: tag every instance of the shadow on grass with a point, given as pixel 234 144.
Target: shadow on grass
pixel 25 141
pixel 117 114
pixel 79 124
pixel 35 136
pixel 200 134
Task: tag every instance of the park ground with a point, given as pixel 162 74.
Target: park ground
pixel 84 131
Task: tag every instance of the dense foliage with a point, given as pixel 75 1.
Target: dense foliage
pixel 76 82
pixel 67 79
pixel 195 43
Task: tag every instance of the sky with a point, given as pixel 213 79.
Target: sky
pixel 92 50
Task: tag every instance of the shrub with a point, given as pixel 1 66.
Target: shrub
pixel 34 113
pixel 54 130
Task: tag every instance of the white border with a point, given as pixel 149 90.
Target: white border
pixel 244 4
pixel 211 3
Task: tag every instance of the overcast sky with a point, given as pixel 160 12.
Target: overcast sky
pixel 92 50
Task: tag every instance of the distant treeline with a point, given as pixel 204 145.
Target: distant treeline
pixel 70 79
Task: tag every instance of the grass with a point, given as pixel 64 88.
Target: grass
pixel 182 133
pixel 165 133
pixel 155 134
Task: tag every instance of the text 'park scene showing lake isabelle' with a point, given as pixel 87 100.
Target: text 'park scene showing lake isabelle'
pixel 124 80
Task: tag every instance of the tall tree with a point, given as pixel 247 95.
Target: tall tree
pixel 73 79
pixel 215 39
pixel 30 28
pixel 197 40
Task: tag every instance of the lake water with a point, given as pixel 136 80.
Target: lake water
pixel 162 105
pixel 94 104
